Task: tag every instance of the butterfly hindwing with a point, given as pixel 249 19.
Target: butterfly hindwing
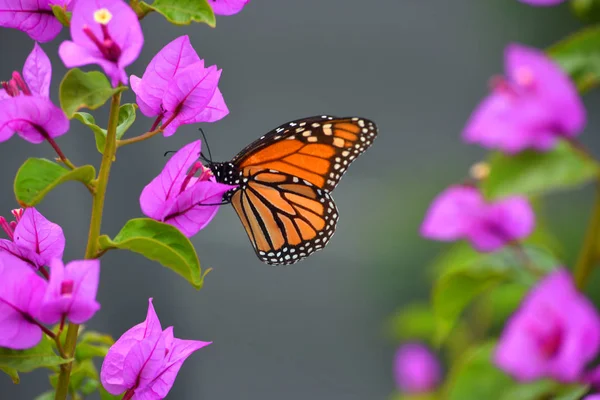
pixel 286 218
pixel 318 150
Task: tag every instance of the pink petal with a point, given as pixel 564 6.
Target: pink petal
pixel 179 351
pixel 451 212
pixel 554 87
pixel 75 55
pixel 35 260
pixel 159 194
pixel 54 306
pixel 214 111
pixel 30 16
pixel 160 72
pixel 111 373
pixel 3 94
pixel 37 72
pixel 21 294
pixel 190 92
pixel 227 7
pixel 26 114
pixel 188 214
pixel 143 361
pixel 35 233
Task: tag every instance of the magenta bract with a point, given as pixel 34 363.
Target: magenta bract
pixel 228 7
pixel 178 89
pixel 145 360
pixel 71 292
pixel 21 293
pixel 461 212
pixel 554 334
pixel 33 17
pixel 176 196
pixel 104 32
pixel 532 107
pixel 416 369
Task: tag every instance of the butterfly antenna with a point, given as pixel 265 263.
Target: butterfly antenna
pixel 207 146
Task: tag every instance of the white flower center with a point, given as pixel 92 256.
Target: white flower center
pixel 102 16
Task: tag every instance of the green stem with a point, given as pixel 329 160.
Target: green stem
pixel 91 251
pixel 588 256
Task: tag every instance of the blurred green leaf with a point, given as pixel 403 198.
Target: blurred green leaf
pixel 62 15
pixel 46 396
pixel 81 373
pixel 571 392
pixel 159 242
pixel 126 119
pixel 530 391
pixel 96 338
pixel 40 356
pixel 12 373
pixel 586 10
pixel 456 289
pixel 579 56
pixel 181 12
pixel 474 377
pixel 38 176
pixel 104 395
pixel 80 89
pixel 533 173
pixel 504 300
pixel 414 322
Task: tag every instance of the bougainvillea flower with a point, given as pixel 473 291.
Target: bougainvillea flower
pixel 104 32
pixel 71 292
pixel 21 295
pixel 176 196
pixel 554 334
pixel 33 17
pixel 461 212
pixel 416 369
pixel 32 237
pixel 145 360
pixel 542 2
pixel 227 7
pixel 35 81
pixel 33 118
pixel 177 88
pixel 531 108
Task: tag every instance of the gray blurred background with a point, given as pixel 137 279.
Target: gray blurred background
pixel 314 330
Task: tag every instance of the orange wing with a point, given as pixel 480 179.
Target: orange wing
pixel 286 218
pixel 316 149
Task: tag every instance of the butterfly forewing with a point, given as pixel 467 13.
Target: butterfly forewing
pixel 318 150
pixel 286 218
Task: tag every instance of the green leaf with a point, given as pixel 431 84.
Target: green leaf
pixel 62 15
pixel 571 392
pixel 46 396
pixel 40 356
pixel 545 389
pixel 12 373
pixel 159 242
pixel 579 56
pixel 80 89
pixel 532 173
pixel 38 176
pixel 474 376
pixel 104 395
pixel 414 322
pixel 181 12
pixel 456 289
pixel 126 119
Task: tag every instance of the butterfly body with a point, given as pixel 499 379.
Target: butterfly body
pixel 284 183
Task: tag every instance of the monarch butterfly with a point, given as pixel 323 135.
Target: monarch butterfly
pixel 284 183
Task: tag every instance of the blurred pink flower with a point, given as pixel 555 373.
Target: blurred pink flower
pixel 177 197
pixel 144 362
pixel 531 108
pixel 554 334
pixel 461 212
pixel 104 32
pixel 33 17
pixel 177 88
pixel 21 293
pixel 416 369
pixel 71 292
pixel 227 7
